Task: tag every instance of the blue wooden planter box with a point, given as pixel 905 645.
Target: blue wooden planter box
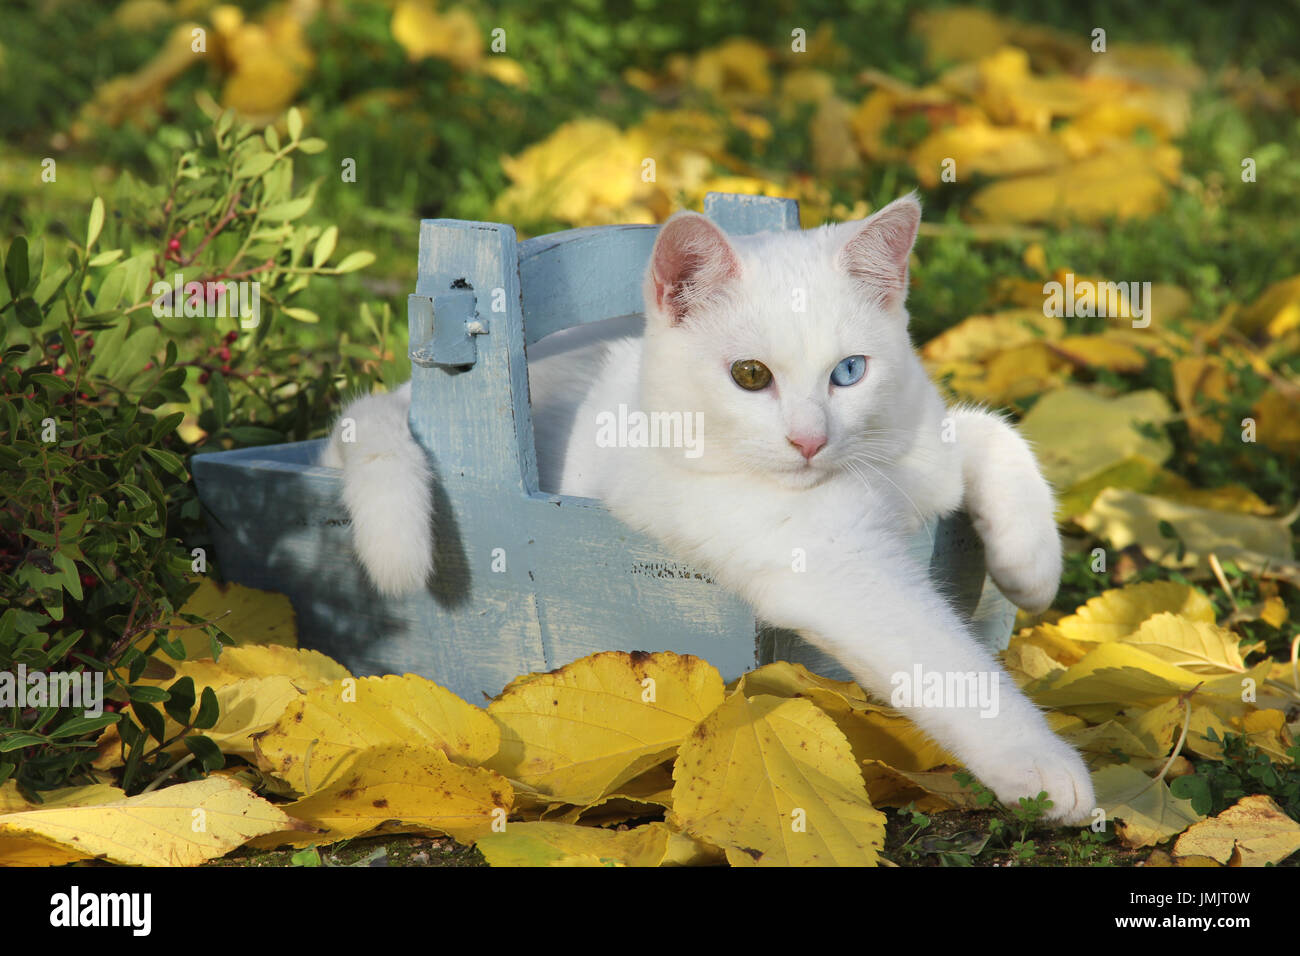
pixel 575 580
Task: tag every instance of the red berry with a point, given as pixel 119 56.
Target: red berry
pixel 203 379
pixel 55 347
pixel 231 336
pixel 148 365
pixel 224 354
pixel 90 342
pixel 89 580
pixel 225 369
pixel 174 245
pixel 60 372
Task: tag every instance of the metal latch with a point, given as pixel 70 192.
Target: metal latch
pixel 454 322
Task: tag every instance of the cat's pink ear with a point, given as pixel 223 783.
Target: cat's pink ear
pixel 692 261
pixel 878 251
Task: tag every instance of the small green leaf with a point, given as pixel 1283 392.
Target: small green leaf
pixel 294 123
pixel 145 693
pixel 180 700
pixel 285 211
pixel 325 246
pixel 209 753
pixel 358 260
pixel 105 257
pixel 209 709
pixel 312 145
pixel 96 222
pixel 17 741
pixel 76 726
pixel 255 435
pixel 255 165
pixel 29 313
pixel 16 266
pixel 302 315
pixel 151 719
pixel 168 460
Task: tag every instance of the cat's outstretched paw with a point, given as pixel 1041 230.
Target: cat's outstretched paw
pixel 1052 766
pixel 1023 555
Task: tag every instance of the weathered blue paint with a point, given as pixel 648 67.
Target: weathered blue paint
pixel 524 580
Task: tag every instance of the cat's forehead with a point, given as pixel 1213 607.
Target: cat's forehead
pixel 794 300
pixel 793 259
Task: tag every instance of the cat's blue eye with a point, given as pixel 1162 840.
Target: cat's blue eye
pixel 849 371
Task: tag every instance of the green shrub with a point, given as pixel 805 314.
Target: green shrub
pixel 110 381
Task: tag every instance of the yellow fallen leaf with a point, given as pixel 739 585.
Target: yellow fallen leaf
pixel 1052 642
pixel 870 123
pixel 1276 311
pixel 182 825
pixel 1277 420
pixel 1254 830
pixel 505 70
pixel 980 337
pixel 773 781
pixel 563 844
pixel 1200 383
pixel 587 172
pixel 424 32
pixel 1110 742
pixel 1013 374
pixel 1122 183
pixel 1118 612
pixel 308 668
pixel 982 149
pixel 647 795
pixel 1126 518
pixel 247 615
pixel 581 732
pixel 11 801
pixel 24 851
pixel 318 733
pixel 1101 351
pixel 1077 432
pixel 735 72
pixel 931 791
pixel 831 135
pixel 1149 813
pixel 1010 93
pixel 1035 257
pixel 1115 675
pixel 1139 474
pixel 1028 662
pixel 414 785
pixel 874 732
pixel 1197 646
pixel 268 59
pixel 1159 113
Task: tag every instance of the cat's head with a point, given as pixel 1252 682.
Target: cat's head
pixel 792 345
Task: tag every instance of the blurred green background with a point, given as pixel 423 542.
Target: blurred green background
pixel 429 117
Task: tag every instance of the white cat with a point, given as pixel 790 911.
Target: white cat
pixel 821 432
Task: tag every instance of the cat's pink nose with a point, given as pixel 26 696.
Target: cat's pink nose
pixel 808 445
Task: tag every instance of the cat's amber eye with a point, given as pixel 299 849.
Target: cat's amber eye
pixel 751 374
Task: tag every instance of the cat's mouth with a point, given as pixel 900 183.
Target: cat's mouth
pixel 805 474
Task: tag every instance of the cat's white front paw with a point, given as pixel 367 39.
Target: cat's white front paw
pixel 1023 555
pixel 1044 764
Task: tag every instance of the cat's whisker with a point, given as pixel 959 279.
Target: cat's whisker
pixel 919 514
